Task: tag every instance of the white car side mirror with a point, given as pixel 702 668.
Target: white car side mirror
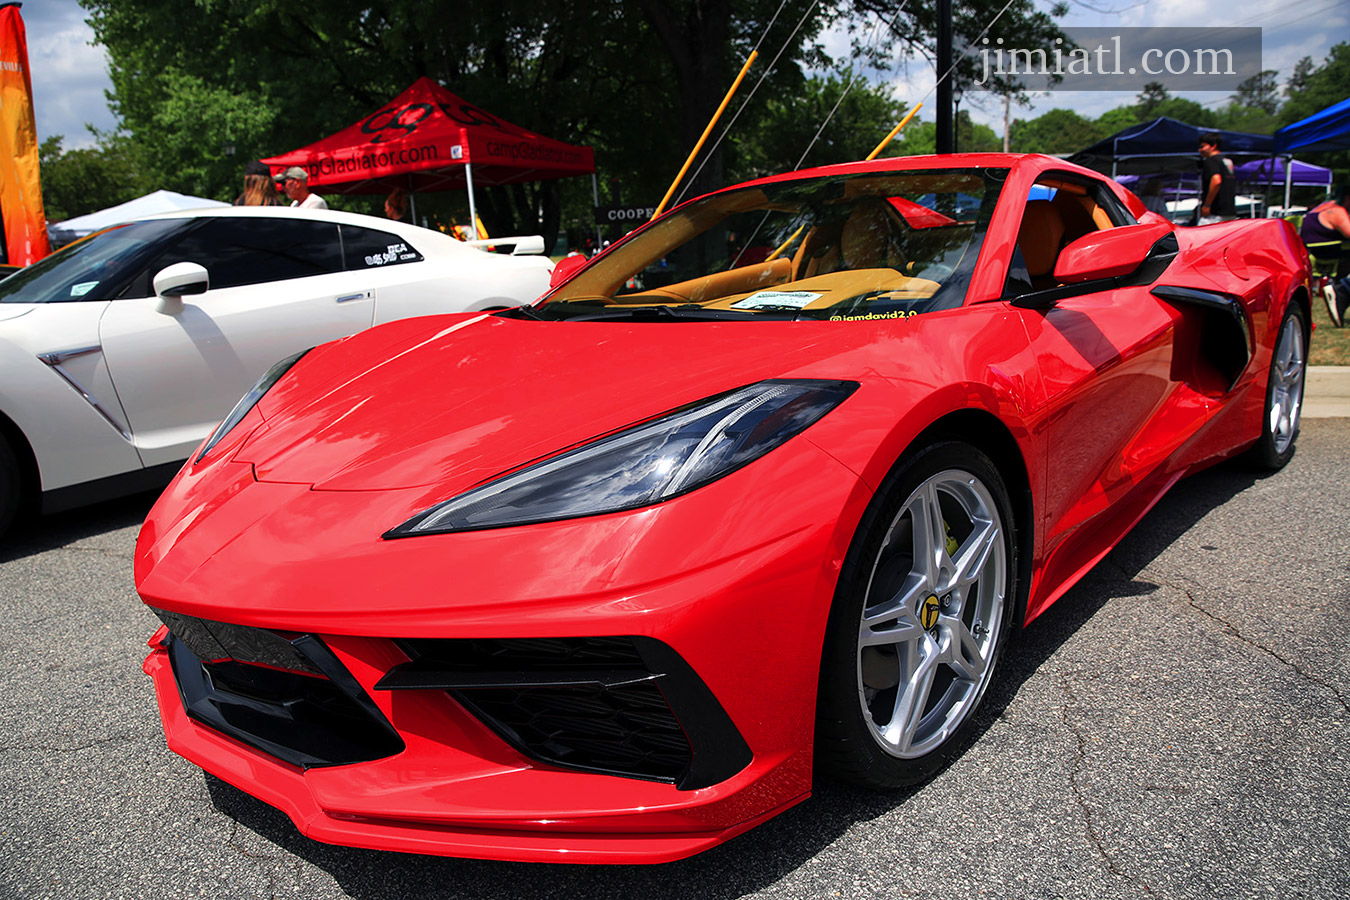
pixel 175 281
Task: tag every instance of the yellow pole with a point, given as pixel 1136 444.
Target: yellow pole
pixel 890 137
pixel 699 146
pixel 873 155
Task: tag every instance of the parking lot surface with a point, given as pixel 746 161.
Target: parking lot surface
pixel 1177 726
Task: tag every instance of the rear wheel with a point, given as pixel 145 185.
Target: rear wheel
pixel 1284 393
pixel 924 606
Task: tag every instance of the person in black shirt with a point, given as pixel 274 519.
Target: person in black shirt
pixel 1216 184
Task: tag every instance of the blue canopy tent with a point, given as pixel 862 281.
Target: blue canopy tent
pixel 1166 145
pixel 1325 130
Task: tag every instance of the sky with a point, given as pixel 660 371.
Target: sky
pixel 70 75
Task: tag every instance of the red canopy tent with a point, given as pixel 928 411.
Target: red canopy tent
pixel 428 139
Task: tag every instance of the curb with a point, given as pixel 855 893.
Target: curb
pixel 1326 394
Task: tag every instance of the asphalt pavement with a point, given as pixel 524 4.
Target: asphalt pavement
pixel 1177 726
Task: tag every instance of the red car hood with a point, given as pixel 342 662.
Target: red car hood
pixel 455 400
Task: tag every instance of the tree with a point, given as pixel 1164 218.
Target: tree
pixel 77 182
pixel 1150 98
pixel 1261 91
pixel 636 81
pixel 1057 131
pixel 1298 79
pixel 1319 87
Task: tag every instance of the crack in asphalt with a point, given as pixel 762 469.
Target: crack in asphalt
pixel 1080 758
pixel 269 863
pixel 1236 632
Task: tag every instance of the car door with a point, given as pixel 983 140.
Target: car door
pixel 1115 408
pixel 277 286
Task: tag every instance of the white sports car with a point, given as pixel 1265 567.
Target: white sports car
pixel 122 351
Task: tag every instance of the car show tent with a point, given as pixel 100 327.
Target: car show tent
pixel 1166 145
pixel 156 202
pixel 1328 129
pixel 429 139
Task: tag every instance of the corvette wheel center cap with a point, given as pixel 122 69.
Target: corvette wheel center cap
pixel 928 612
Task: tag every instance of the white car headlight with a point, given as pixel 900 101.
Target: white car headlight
pixel 672 455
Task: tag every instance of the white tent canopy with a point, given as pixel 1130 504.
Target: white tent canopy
pixel 157 202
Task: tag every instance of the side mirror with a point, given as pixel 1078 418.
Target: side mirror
pixel 1108 254
pixel 566 267
pixel 179 280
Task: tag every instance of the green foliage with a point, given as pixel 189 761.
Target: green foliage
pixel 1057 131
pixel 77 182
pixel 637 81
pixel 789 123
pixel 1314 89
pixel 1261 91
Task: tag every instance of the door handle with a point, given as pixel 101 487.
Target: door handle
pixel 362 295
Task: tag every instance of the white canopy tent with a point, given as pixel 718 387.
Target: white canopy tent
pixel 156 202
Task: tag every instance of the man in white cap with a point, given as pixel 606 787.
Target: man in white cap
pixel 294 183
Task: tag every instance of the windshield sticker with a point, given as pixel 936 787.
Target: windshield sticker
pixel 84 287
pixel 394 253
pixel 893 314
pixel 776 300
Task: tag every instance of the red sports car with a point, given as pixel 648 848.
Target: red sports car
pixel 760 492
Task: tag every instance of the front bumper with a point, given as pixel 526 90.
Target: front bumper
pixel 738 592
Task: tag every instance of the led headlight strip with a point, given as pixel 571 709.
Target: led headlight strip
pixel 646 464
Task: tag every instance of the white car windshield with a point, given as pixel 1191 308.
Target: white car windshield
pixel 95 268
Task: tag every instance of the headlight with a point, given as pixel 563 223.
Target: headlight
pixel 646 464
pixel 250 400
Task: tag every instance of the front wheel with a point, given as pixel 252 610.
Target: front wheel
pixel 924 605
pixel 1284 393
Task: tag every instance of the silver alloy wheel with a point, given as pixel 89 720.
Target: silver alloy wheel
pixel 1286 390
pixel 943 564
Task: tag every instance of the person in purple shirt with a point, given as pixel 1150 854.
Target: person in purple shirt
pixel 1326 232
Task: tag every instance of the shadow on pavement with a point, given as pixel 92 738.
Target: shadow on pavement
pixel 40 534
pixel 763 856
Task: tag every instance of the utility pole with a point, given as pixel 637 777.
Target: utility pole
pixel 1007 133
pixel 945 76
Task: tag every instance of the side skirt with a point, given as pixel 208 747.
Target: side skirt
pixel 109 488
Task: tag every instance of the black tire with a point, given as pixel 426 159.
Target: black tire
pixel 860 737
pixel 11 486
pixel 1282 413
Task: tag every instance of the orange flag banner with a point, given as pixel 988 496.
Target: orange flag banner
pixel 25 224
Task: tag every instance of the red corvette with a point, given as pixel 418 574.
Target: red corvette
pixel 760 492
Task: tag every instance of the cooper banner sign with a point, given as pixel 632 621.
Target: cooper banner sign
pixel 623 215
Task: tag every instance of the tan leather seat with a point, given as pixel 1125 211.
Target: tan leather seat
pixel 867 241
pixel 1039 239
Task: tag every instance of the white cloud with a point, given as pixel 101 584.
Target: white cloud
pixel 1291 30
pixel 69 74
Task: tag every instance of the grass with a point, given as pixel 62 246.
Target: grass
pixel 1330 345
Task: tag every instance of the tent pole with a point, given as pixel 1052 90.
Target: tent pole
pixel 595 191
pixel 1288 181
pixel 473 210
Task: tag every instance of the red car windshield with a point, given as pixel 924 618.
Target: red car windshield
pixel 892 243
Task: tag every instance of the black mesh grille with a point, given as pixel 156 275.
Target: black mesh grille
pixel 626 729
pixel 620 705
pixel 311 712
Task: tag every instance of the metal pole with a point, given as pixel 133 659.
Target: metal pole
pixel 944 73
pixel 473 210
pixel 1288 181
pixel 595 192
